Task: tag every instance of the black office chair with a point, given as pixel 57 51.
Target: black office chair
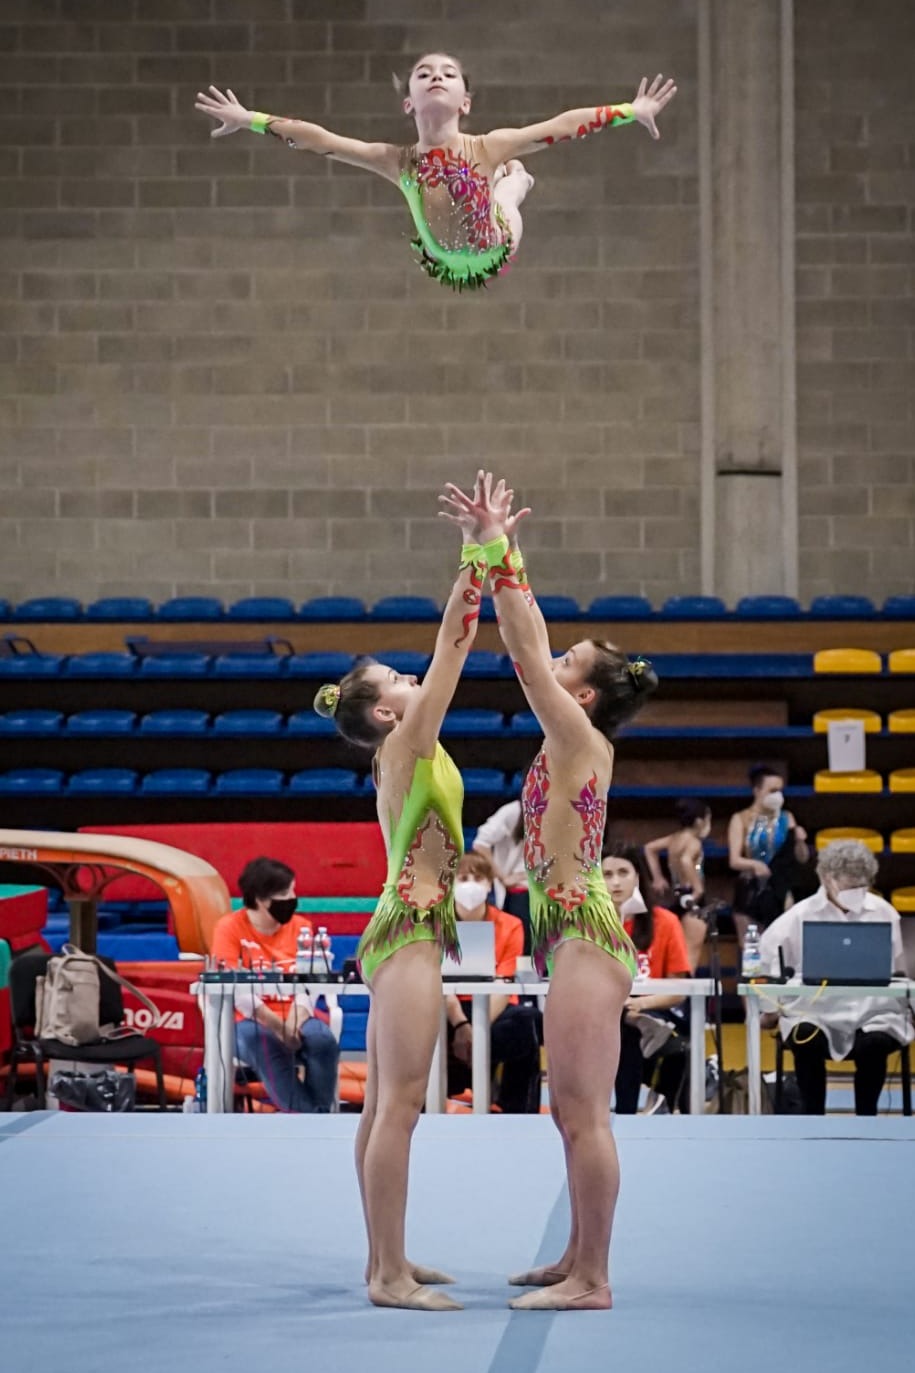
pixel 27 1048
pixel 905 1076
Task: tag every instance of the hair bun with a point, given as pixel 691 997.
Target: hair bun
pixel 643 676
pixel 326 700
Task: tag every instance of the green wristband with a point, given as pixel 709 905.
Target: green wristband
pixel 259 121
pixel 517 561
pixel 494 552
pixel 471 553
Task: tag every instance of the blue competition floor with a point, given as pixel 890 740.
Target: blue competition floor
pixel 189 1244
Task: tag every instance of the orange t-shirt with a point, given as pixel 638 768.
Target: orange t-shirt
pixel 667 956
pixel 236 938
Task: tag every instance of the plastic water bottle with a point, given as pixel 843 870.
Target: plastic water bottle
pixel 303 951
pixel 322 945
pixel 751 965
pixel 200 1088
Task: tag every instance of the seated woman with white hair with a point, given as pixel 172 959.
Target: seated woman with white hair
pixel 866 1029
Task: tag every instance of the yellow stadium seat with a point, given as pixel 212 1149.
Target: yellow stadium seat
pixel 903 779
pixel 903 898
pixel 856 660
pixel 901 722
pixel 865 780
pixel 869 718
pixel 902 660
pixel 871 838
pixel 902 841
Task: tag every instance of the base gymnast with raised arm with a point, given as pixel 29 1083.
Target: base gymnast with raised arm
pixel 419 793
pixel 579 700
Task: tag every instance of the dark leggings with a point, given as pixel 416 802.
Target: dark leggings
pixel 666 1071
pixel 870 1052
pixel 515 1038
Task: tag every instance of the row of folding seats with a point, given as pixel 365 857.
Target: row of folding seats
pixel 864 781
pixel 198 781
pixel 900 841
pixel 256 723
pixel 333 665
pixel 275 609
pixel 856 662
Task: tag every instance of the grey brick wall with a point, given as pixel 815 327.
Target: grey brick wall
pixel 222 372
pixel 856 295
pixel 221 369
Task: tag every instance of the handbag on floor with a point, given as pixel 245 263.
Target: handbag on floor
pixel 106 1090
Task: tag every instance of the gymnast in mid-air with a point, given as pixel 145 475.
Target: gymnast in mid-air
pixel 464 191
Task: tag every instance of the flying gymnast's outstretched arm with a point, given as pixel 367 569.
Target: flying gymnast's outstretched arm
pixel 381 158
pixel 644 109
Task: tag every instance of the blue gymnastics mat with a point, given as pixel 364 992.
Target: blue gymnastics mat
pixel 195 1243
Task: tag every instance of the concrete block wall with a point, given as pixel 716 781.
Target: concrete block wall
pixel 856 295
pixel 221 371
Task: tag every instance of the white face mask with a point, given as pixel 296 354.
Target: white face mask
pixel 634 906
pixel 774 800
pixel 852 899
pixel 470 892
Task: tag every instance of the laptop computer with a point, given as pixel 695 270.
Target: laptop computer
pixel 477 939
pixel 848 954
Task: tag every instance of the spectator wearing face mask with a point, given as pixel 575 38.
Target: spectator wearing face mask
pixel 654 1034
pixel 515 1031
pixel 864 1029
pixel 276 1036
pixel 767 848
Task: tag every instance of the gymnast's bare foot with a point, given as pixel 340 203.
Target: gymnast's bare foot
pixel 407 1295
pixel 568 1295
pixel 433 1277
pixel 548 1276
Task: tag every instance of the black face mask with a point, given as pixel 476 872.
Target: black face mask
pixel 282 908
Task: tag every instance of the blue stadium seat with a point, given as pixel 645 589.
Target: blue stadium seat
pixel 842 608
pixel 30 722
pixel 405 608
pixel 472 723
pixel 6 610
pixel 31 781
pixel 101 722
pixel 100 665
pixel 183 665
pixel 332 608
pixel 176 782
pixel 175 722
pixel 248 722
pixel 482 663
pixel 241 665
pixel 619 608
pixel 526 723
pixel 559 607
pixel 768 607
pixel 322 667
pixel 899 608
pixel 261 608
pixel 105 781
pixel 325 781
pixel 487 611
pixel 309 723
pixel 736 665
pixel 250 782
pixel 49 608
pixel 32 665
pixel 120 608
pixel 190 608
pixel 693 608
pixel 406 660
pixel 483 782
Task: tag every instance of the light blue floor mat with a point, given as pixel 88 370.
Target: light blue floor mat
pixel 193 1243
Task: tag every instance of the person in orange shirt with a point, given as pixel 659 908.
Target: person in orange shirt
pixel 661 952
pixel 276 1036
pixel 515 1031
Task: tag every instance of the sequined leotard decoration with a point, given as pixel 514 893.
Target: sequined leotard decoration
pixel 482 243
pixel 581 909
